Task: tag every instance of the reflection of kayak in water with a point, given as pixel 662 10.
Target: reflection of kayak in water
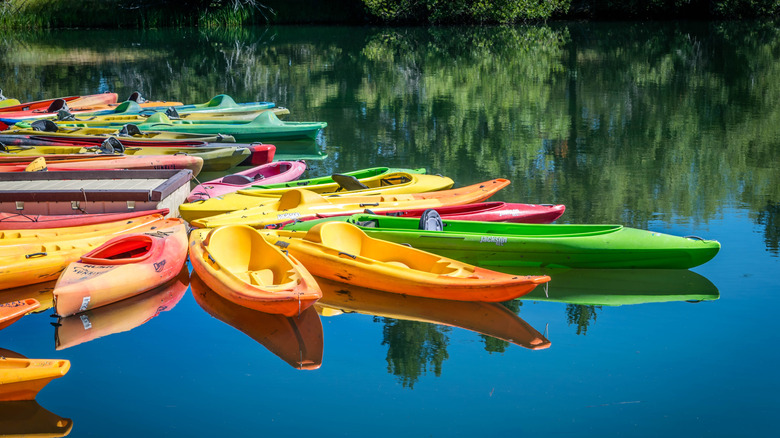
pixel 297 340
pixel 42 292
pixel 491 319
pixel 28 418
pixel 121 316
pixel 616 287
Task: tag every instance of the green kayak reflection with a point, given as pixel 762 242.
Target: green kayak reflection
pixel 291 150
pixel 121 316
pixel 296 340
pixel 28 418
pixel 617 287
pixel 490 319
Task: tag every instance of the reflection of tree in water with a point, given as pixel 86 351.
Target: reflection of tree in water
pixel 413 347
pixel 494 345
pixel 768 217
pixel 582 316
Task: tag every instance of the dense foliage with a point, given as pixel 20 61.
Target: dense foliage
pixel 231 13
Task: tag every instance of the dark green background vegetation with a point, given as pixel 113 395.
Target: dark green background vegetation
pixel 214 13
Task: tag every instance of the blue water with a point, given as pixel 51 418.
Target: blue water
pixel 663 138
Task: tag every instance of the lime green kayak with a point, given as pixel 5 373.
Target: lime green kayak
pixel 538 245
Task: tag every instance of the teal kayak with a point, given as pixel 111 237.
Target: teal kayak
pixel 538 245
pixel 265 127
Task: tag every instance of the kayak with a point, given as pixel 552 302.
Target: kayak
pixel 13 311
pixel 489 319
pixel 38 236
pixel 113 162
pixel 539 245
pixel 279 171
pixel 217 158
pixel 489 212
pixel 302 204
pixel 297 340
pixel 237 263
pixel 619 287
pixel 122 267
pixel 29 264
pixel 342 252
pixel 388 183
pixel 45 130
pixel 219 103
pixel 19 221
pixel 121 316
pixel 265 127
pixel 131 112
pixel 21 379
pixel 44 108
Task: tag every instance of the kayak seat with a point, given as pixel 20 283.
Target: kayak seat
pixel 56 105
pixel 44 126
pixel 263 277
pixel 347 182
pixel 237 179
pixel 340 236
pixel 431 221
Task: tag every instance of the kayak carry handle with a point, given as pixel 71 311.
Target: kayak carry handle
pixel 694 237
pixel 36 254
pixel 353 257
pixel 375 204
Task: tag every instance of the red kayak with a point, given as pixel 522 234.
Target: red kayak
pixel 491 212
pixel 18 221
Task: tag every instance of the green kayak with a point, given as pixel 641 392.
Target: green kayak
pixel 618 287
pixel 538 245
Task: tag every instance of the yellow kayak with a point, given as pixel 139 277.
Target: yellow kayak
pixel 77 133
pixel 21 379
pixel 303 204
pixel 37 263
pixel 391 183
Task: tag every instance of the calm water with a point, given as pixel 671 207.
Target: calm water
pixel 672 127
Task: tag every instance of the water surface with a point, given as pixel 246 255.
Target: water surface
pixel 672 127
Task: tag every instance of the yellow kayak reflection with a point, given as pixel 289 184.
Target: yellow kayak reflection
pixel 296 340
pixel 491 319
pixel 42 292
pixel 617 287
pixel 121 316
pixel 28 418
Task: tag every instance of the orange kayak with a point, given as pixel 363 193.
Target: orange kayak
pixel 304 204
pixel 297 340
pixel 21 379
pixel 490 319
pixel 15 310
pixel 343 252
pixel 121 316
pixel 237 263
pixel 124 266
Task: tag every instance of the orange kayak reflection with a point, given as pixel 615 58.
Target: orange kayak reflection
pixel 297 340
pixel 28 418
pixel 490 319
pixel 121 316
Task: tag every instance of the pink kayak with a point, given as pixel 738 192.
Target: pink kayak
pixel 18 221
pixel 276 172
pixel 492 212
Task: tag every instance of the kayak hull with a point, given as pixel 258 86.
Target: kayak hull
pixel 124 266
pixel 22 379
pixel 10 312
pixel 17 221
